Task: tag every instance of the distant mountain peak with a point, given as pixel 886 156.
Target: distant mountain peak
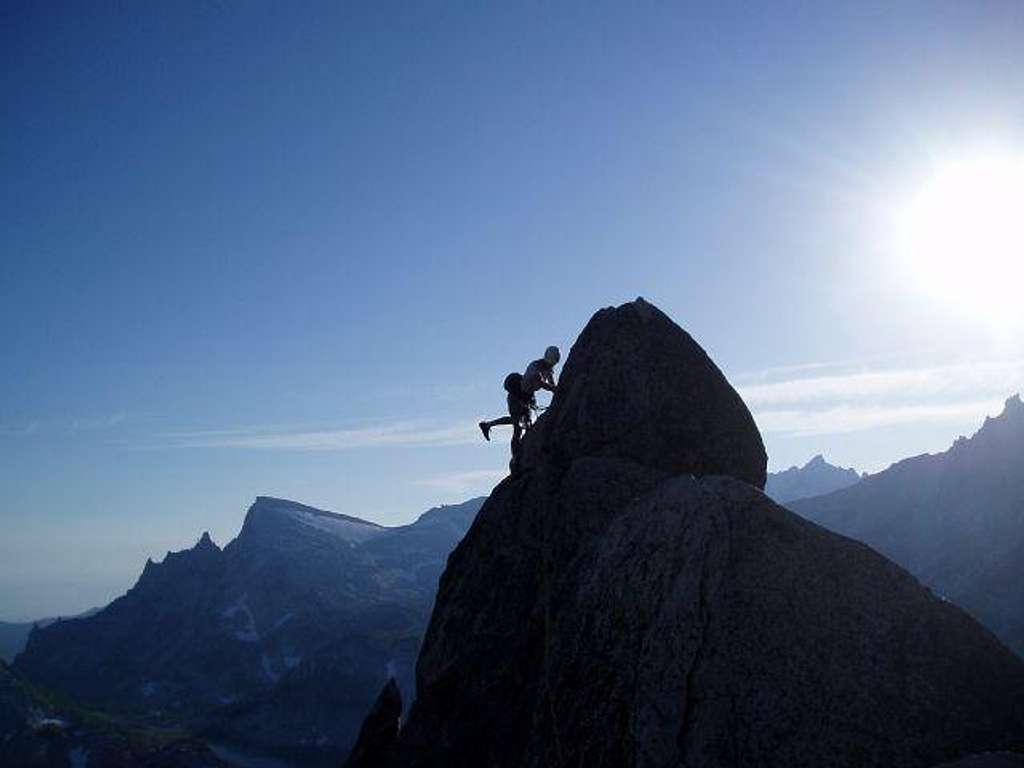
pixel 201 559
pixel 452 514
pixel 815 478
pixel 1013 407
pixel 288 507
pixel 1008 425
pixel 271 517
pixel 951 518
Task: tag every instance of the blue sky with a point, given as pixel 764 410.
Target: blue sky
pixel 258 249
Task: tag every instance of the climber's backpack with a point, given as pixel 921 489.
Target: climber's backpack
pixel 514 384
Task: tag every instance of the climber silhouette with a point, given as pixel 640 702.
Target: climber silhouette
pixel 522 399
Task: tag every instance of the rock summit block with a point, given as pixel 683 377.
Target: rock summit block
pixel 636 386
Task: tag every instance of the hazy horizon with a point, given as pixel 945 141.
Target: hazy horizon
pixel 294 252
pixel 225 535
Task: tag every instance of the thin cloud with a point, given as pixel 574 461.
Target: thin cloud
pixel 803 400
pixel 98 422
pixel 53 426
pixel 851 418
pixel 410 434
pixel 32 428
pixel 795 401
pixel 464 482
pixel 949 381
pixel 781 371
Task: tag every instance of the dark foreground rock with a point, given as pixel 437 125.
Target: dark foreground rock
pixel 636 386
pixel 608 608
pixel 37 733
pixel 379 735
pixel 988 760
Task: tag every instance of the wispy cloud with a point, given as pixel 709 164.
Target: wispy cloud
pixel 61 427
pixel 852 418
pixel 951 381
pixel 403 433
pixel 464 482
pixel 795 401
pixel 93 423
pixel 834 399
pixel 28 430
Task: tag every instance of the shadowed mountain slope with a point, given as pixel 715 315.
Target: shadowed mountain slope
pixel 280 640
pixel 35 732
pixel 955 520
pixel 14 635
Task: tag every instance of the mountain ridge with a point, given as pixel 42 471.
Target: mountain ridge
pixel 14 634
pixel 955 519
pixel 302 605
pixel 815 478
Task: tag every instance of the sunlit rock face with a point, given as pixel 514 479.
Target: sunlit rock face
pixel 988 760
pixel 632 598
pixel 954 519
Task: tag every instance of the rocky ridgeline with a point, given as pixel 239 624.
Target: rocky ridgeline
pixel 276 644
pixel 815 478
pixel 632 598
pixel 953 519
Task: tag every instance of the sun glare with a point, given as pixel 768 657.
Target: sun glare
pixel 961 235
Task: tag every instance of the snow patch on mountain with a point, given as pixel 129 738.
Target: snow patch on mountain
pixel 240 624
pixel 347 528
pixel 269 513
pixel 247 633
pixel 268 669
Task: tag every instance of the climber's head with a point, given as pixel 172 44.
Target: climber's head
pixel 552 356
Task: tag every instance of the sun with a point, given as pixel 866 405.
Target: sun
pixel 961 235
